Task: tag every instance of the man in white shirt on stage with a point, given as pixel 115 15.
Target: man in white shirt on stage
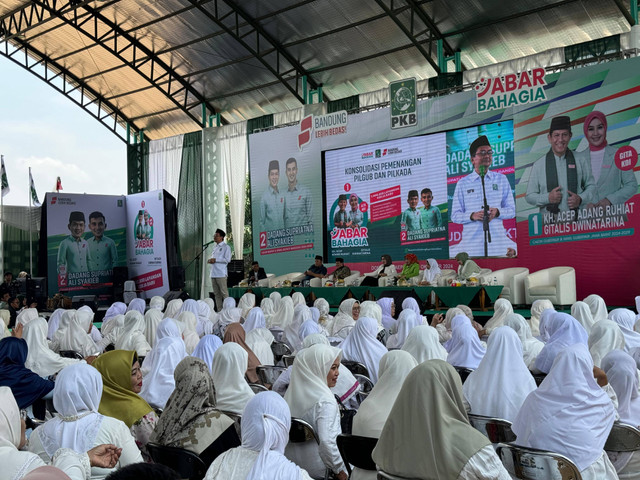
pixel 467 207
pixel 220 258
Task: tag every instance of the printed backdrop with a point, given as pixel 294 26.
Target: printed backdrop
pixel 515 114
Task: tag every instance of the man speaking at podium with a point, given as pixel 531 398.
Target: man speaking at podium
pixel 469 209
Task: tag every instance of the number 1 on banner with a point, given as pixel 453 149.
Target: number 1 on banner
pixel 535 225
pixel 263 239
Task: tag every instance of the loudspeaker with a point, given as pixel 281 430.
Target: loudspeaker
pixel 175 294
pixel 37 290
pixel 176 277
pixel 235 272
pixel 120 275
pixel 80 300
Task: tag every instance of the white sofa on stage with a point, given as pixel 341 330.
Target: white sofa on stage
pixel 557 284
pixel 513 281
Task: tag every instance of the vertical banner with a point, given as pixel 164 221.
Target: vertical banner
pixel 402 96
pixel 85 240
pixel 146 246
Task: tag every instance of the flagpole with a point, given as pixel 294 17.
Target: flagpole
pixel 30 236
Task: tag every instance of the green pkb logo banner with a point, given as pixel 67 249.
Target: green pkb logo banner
pixel 402 96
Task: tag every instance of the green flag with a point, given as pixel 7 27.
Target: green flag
pixel 5 182
pixel 32 188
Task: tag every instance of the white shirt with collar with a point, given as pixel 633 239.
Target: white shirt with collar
pixel 222 254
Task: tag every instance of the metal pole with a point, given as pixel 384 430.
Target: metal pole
pixel 30 237
pixel 634 11
pixel 304 89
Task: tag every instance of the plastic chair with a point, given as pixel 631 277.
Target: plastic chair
pixel 186 463
pixel 257 388
pixel 463 372
pixel 356 368
pixel 302 432
pixel 623 438
pixel 279 349
pixel 288 360
pixel 356 450
pixel 71 354
pixel 268 374
pixel 496 430
pixel 532 464
pixel 366 385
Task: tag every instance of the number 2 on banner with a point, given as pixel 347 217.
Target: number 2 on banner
pixel 403 236
pixel 263 239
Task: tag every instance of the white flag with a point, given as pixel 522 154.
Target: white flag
pixel 34 194
pixel 3 176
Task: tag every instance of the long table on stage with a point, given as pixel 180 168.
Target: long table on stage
pixel 448 296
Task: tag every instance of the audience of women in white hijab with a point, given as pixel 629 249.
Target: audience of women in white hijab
pixel 213 383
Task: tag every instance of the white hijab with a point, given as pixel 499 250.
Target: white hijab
pixel 582 313
pixel 284 313
pixel 113 328
pixel 406 322
pixel 605 337
pixel 372 310
pixel 597 306
pixel 622 374
pixel 266 421
pixel 254 319
pixel 626 319
pixel 275 298
pixel 40 358
pixel 15 463
pixel 230 363
pixel 131 335
pixel 465 350
pixel 204 325
pixel 432 272
pixel 259 340
pixel 373 412
pixel 410 303
pixel 152 319
pixel 568 413
pixel 206 349
pixel 301 313
pixel 54 321
pixel 246 303
pixel 298 299
pixel 423 343
pixel 343 318
pixel 266 305
pixel 502 381
pixel 116 308
pixel 347 385
pixel 537 307
pixel 501 309
pixel 156 302
pixel 531 347
pixel 76 398
pixel 309 378
pixel 191 338
pixel 74 336
pixel 563 331
pixel 27 315
pixel 168 328
pixel 158 384
pixel 173 308
pixel 361 345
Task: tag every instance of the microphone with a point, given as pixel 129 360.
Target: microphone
pixel 483 170
pixel 208 243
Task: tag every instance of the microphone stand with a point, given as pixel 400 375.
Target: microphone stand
pixel 204 247
pixel 485 218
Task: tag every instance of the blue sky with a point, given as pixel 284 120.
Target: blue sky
pixel 44 130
